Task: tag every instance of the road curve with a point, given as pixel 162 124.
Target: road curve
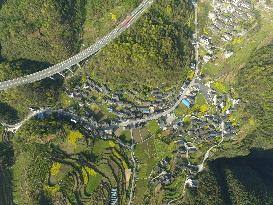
pixel 166 112
pixel 74 60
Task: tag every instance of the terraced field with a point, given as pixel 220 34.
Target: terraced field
pixel 77 169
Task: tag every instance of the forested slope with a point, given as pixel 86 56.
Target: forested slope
pixel 40 30
pixel 6 160
pixel 240 180
pixel 156 50
pixel 236 181
pixel 254 87
pixel 35 34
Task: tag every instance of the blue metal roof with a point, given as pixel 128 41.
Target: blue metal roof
pixel 186 102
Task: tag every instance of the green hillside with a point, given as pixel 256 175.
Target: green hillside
pixel 254 87
pixel 236 181
pixel 156 51
pixel 40 30
pixel 240 180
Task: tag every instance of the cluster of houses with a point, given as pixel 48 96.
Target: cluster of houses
pixel 117 103
pixel 200 128
pixel 88 121
pixel 206 43
pixel 228 19
pixel 205 128
pixel 184 147
pixel 161 174
pixel 229 16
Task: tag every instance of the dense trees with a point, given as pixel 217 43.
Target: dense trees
pixel 236 181
pixel 255 82
pixel 46 31
pixel 155 51
pixel 29 172
pixel 33 35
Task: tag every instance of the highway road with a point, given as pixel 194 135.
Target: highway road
pixel 100 44
pixel 74 60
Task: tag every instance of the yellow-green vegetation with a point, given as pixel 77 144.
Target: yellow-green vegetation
pixel 102 16
pixel 116 154
pixel 90 171
pixel 187 120
pixel 153 127
pixel 74 136
pixel 200 103
pixel 55 168
pixel 124 164
pixel 111 143
pixel 51 190
pixel 204 108
pixel 157 47
pixel 190 75
pixel 87 173
pixel 85 176
pixel 220 87
pixel 227 106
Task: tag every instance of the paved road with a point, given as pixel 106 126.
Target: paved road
pixel 74 60
pixel 182 95
pixel 166 112
pixel 15 127
pixel 206 156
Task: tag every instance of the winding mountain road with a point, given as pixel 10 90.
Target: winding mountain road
pixel 76 59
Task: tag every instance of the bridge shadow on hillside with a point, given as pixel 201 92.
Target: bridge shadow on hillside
pixel 29 66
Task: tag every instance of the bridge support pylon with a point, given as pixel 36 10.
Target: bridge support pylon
pixel 61 75
pixel 70 70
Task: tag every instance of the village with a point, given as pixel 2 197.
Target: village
pixel 191 129
pixel 205 116
pixel 229 20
